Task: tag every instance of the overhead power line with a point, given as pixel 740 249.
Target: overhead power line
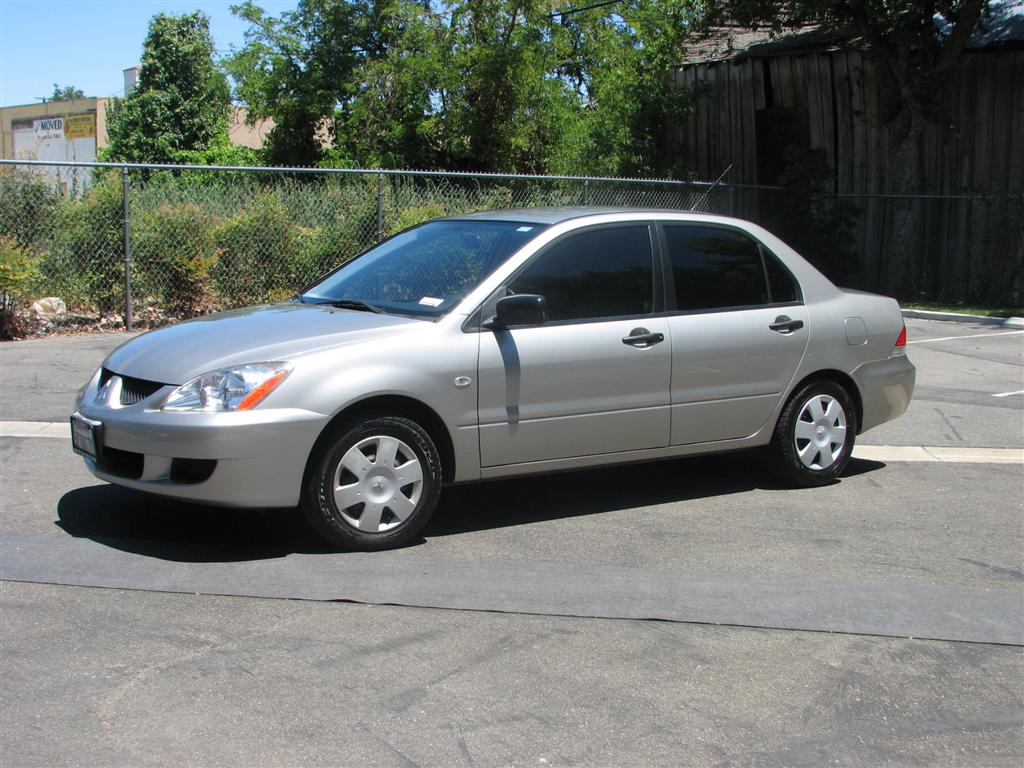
pixel 571 11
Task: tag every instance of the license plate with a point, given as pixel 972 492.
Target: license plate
pixel 85 436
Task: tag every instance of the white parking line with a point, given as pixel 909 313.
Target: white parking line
pixel 1008 394
pixel 939 454
pixel 61 429
pixel 969 336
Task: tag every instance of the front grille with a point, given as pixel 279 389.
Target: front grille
pixel 136 390
pixel 132 390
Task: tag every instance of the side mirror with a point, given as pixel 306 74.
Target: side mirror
pixel 524 309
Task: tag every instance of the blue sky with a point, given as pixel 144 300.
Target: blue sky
pixel 87 43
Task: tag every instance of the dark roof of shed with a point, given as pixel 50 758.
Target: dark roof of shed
pixel 731 42
pixel 1005 26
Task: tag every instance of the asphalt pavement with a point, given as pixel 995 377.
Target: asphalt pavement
pixel 138 670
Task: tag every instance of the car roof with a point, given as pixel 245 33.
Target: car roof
pixel 555 215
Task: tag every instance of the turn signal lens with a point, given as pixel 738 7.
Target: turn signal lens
pixel 253 398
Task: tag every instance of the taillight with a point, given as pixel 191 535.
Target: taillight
pixel 901 340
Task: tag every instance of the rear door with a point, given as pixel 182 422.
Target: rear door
pixel 580 384
pixel 739 331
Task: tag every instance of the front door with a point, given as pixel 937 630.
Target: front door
pixel 593 379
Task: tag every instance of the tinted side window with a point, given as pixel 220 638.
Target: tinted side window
pixel 714 267
pixel 782 284
pixel 606 272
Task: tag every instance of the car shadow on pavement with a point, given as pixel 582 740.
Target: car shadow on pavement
pixel 172 530
pixel 506 503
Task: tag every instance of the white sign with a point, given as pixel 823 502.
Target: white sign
pixel 48 129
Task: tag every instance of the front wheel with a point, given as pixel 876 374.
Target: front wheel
pixel 814 437
pixel 373 485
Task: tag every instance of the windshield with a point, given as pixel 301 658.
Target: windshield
pixel 426 270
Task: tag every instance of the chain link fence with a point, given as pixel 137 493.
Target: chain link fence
pixel 145 245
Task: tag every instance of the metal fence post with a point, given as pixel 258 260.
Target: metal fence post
pixel 380 207
pixel 127 252
pixel 586 191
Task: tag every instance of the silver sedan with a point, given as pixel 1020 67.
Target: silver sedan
pixel 499 344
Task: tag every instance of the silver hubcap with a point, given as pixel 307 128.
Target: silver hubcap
pixel 377 484
pixel 820 433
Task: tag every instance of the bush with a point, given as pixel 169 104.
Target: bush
pixel 259 250
pixel 29 206
pixel 18 275
pixel 410 217
pixel 173 249
pixel 342 214
pixel 86 262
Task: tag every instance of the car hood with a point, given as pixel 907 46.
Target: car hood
pixel 179 353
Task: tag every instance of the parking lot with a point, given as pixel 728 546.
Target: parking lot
pixel 689 612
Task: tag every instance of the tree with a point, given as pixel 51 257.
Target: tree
pixel 66 93
pixel 297 69
pixel 503 104
pixel 181 101
pixel 500 85
pixel 624 64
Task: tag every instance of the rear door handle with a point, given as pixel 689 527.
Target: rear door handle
pixel 641 337
pixel 783 324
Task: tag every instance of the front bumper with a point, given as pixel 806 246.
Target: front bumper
pixel 258 457
pixel 886 387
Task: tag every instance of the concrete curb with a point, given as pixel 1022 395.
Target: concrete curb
pixel 958 317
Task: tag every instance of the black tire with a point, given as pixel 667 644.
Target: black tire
pixel 784 451
pixel 396 524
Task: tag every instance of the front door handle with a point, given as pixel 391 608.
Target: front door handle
pixel 784 325
pixel 641 337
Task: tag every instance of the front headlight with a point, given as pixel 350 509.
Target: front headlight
pixel 229 389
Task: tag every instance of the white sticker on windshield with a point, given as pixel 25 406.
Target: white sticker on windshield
pixel 430 301
pixel 524 229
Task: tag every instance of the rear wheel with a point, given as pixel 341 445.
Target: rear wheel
pixel 814 437
pixel 373 484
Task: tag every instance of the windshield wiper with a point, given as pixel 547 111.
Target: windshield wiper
pixel 356 304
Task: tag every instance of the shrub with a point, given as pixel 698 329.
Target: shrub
pixel 29 206
pixel 86 262
pixel 18 275
pixel 173 249
pixel 331 245
pixel 343 218
pixel 259 249
pixel 410 217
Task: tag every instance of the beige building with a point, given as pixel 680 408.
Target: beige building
pixel 77 129
pixel 244 135
pixel 55 130
pixel 24 128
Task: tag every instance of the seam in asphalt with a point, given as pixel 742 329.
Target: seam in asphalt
pixel 498 611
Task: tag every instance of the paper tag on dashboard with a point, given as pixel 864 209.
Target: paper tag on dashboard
pixel 430 301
